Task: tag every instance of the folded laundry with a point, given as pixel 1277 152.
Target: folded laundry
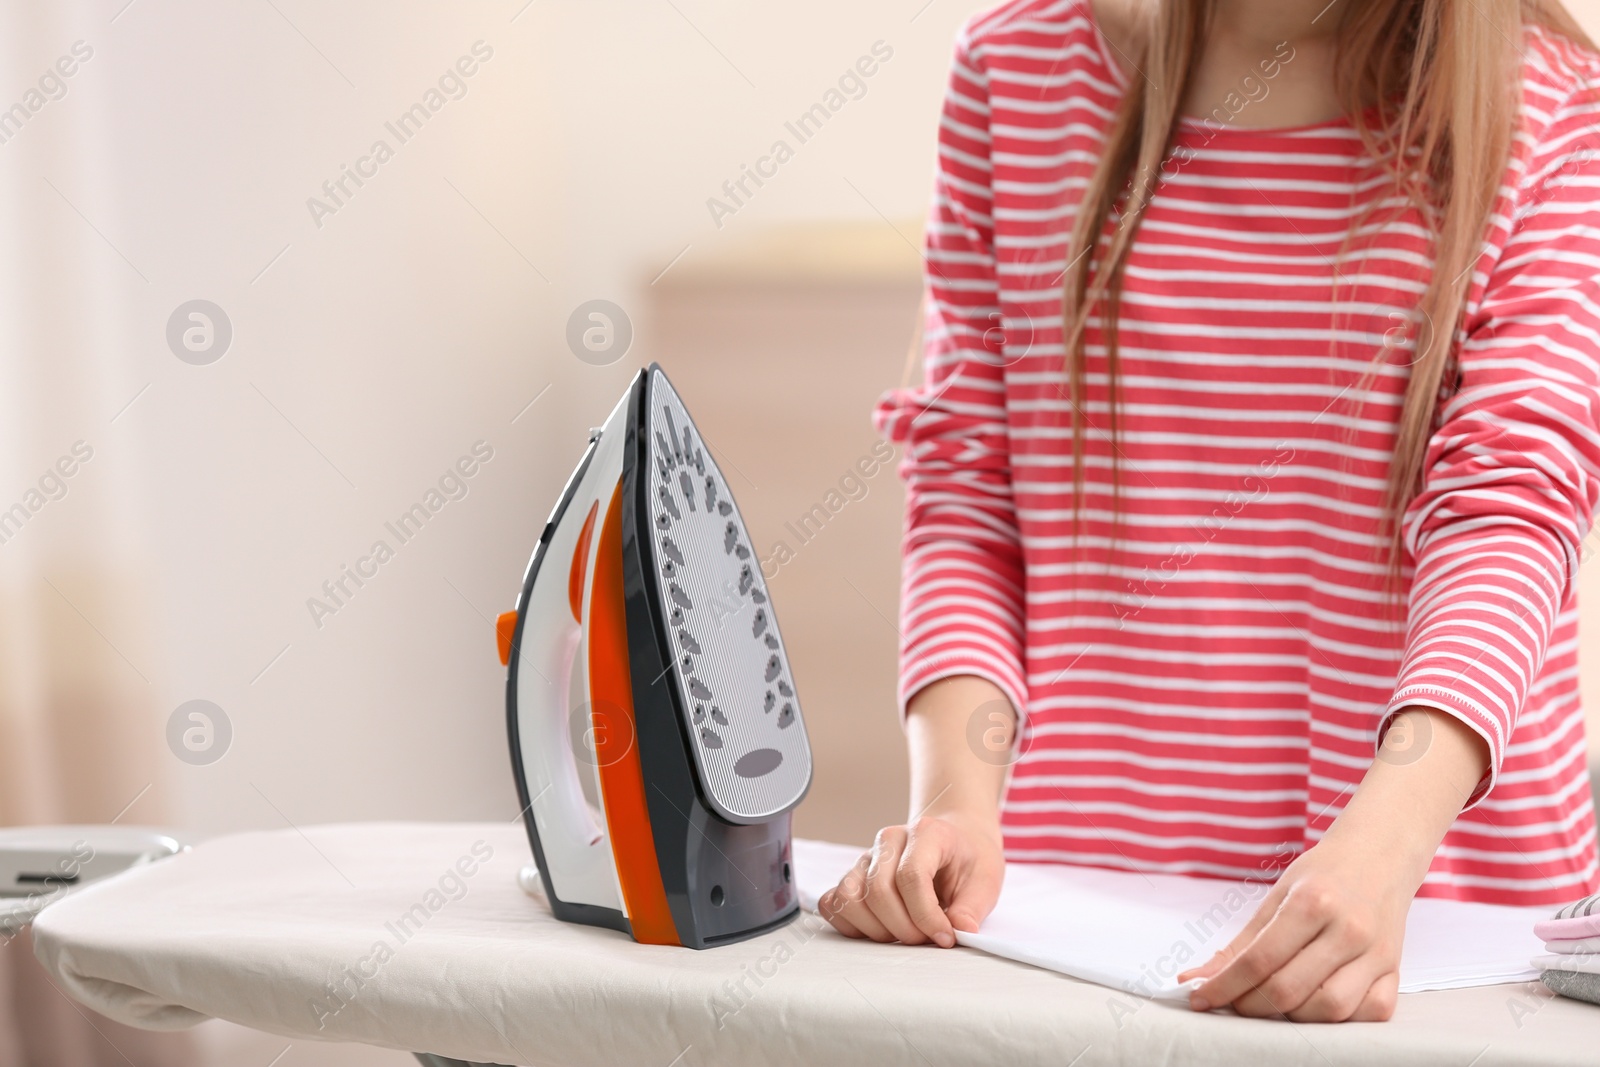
pixel 1572 940
pixel 1579 985
pixel 1576 921
pixel 1584 963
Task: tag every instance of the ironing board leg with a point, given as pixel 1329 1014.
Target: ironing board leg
pixel 428 1059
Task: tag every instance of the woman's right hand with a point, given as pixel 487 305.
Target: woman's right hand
pixel 921 882
pixel 941 872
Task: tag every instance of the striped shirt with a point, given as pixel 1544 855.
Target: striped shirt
pixel 1204 681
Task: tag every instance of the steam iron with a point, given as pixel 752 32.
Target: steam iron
pixel 655 732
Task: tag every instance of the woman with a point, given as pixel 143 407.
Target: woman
pixel 1250 479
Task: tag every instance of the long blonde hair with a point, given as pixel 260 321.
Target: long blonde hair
pixel 1445 76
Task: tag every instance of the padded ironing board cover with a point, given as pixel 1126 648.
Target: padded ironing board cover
pixel 378 933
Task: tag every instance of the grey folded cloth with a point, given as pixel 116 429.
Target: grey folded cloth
pixel 1579 985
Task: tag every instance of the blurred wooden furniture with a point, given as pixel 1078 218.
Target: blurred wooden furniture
pixel 781 343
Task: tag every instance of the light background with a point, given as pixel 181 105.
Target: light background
pixel 372 351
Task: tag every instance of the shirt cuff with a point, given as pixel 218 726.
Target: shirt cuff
pixel 920 671
pixel 1442 700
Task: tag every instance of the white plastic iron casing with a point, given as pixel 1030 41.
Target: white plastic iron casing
pixel 556 730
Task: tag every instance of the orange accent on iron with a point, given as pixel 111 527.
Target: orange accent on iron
pixel 580 563
pixel 504 627
pixel 633 844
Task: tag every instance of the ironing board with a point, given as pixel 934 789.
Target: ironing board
pixel 281 931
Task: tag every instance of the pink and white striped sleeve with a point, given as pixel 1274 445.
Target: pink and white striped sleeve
pixel 1513 473
pixel 962 587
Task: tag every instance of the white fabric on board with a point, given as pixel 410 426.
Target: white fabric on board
pixel 1137 932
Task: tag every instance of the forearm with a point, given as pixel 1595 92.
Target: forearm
pixel 948 776
pixel 1427 767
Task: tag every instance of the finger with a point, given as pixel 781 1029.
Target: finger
pixel 1303 915
pixel 832 902
pixel 1363 988
pixel 828 904
pixel 830 908
pixel 883 894
pixel 974 895
pixel 1206 969
pixel 1383 996
pixel 927 852
pixel 1258 920
pixel 846 927
pixel 850 899
pixel 852 888
pixel 857 915
pixel 1230 951
pixel 1298 980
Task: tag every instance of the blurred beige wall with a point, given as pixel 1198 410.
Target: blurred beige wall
pixel 374 345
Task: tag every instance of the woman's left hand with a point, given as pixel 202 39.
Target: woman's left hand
pixel 1323 947
pixel 1325 944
